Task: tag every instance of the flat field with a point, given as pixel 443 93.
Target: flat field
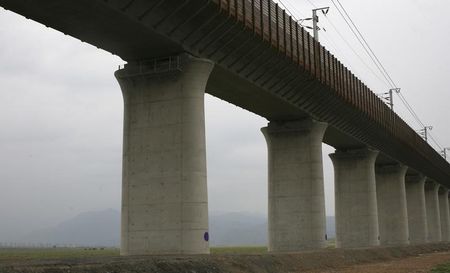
pixel 14 254
pixel 428 258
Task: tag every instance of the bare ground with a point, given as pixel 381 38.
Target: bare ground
pixel 417 264
pixel 409 259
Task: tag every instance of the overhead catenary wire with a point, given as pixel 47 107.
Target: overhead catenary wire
pixel 334 44
pixel 355 30
pixel 365 42
pixel 385 82
pixel 355 52
pixel 287 9
pixel 326 36
pixel 385 78
pixel 364 45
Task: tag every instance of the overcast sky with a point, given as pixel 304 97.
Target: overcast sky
pixel 61 112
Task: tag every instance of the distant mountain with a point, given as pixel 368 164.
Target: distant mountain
pixel 98 228
pixel 331 227
pixel 237 228
pixel 246 229
pixel 102 228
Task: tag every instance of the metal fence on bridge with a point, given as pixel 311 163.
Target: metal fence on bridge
pixel 276 27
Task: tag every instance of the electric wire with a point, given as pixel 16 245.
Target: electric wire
pixel 328 37
pixel 355 52
pixel 365 42
pixel 387 79
pixel 380 66
pixel 377 64
pixel 287 9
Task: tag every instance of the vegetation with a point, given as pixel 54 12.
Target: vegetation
pixel 9 254
pixel 331 243
pixel 443 268
pixel 75 253
pixel 239 250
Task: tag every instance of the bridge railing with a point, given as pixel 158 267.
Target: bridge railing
pixel 158 65
pixel 276 27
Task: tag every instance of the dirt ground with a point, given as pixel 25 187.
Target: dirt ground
pixel 418 264
pixel 409 259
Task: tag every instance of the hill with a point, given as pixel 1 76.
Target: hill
pixel 102 228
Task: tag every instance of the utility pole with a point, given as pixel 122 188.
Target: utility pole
pixel 391 100
pixel 315 25
pixel 424 132
pixel 444 152
pixel 389 97
pixel 315 18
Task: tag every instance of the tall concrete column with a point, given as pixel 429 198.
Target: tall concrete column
pixel 392 208
pixel 417 211
pixel 433 214
pixel 355 198
pixel 164 194
pixel 296 191
pixel 444 214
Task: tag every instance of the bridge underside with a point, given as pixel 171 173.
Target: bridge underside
pixel 110 25
pixel 179 49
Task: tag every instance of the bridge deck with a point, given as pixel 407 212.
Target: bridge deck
pixel 266 63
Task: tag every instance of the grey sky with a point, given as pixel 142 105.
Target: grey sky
pixel 61 112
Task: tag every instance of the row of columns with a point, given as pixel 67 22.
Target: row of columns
pixel 374 204
pixel 164 194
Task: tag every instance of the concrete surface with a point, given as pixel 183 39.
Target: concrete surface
pixel 417 210
pixel 392 208
pixel 296 191
pixel 164 202
pixel 433 214
pixel 356 199
pixel 444 213
pixel 280 89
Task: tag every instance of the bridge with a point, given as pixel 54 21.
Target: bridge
pixel 391 186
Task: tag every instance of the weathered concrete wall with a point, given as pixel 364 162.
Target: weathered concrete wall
pixel 392 208
pixel 296 191
pixel 356 199
pixel 433 214
pixel 164 195
pixel 417 210
pixel 444 214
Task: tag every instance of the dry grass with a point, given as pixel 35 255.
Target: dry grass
pixel 11 254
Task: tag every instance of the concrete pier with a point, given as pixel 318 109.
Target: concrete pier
pixel 433 214
pixel 444 213
pixel 392 208
pixel 296 191
pixel 164 195
pixel 356 199
pixel 417 210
